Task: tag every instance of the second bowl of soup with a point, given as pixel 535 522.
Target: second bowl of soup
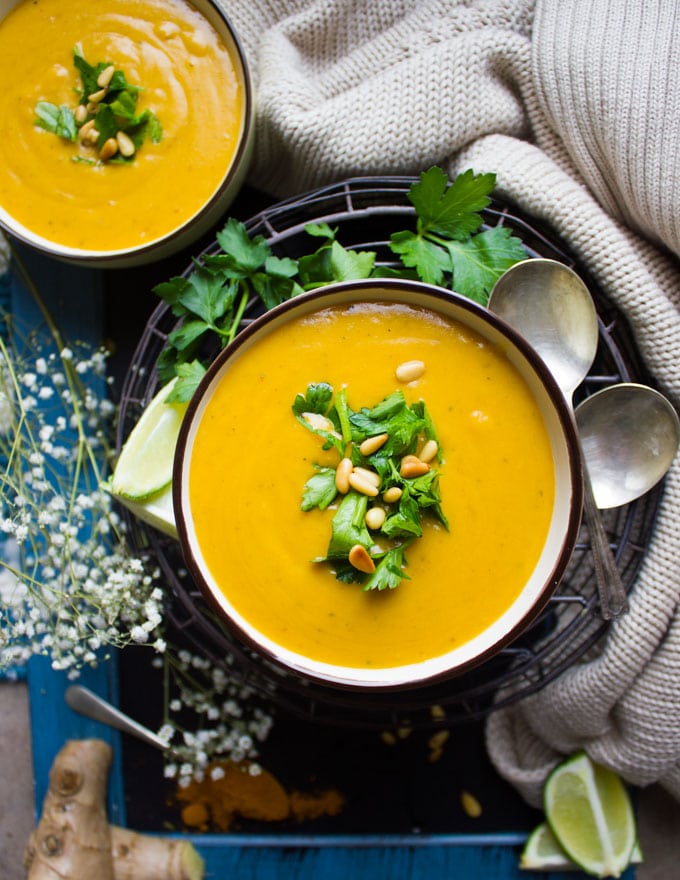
pixel 377 485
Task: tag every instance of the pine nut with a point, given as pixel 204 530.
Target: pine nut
pixel 362 485
pixel 91 108
pixel 125 144
pixel 96 97
pixel 80 114
pixel 109 149
pixel 375 517
pixel 370 476
pixel 392 495
pixel 372 444
pixel 342 472
pixel 84 130
pixel 92 136
pixel 409 371
pixel 106 76
pixel 360 559
pixel 412 466
pixel 470 804
pixel 429 451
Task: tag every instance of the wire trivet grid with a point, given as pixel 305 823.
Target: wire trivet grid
pixel 365 212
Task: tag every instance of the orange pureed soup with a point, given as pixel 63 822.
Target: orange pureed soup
pixel 190 82
pixel 250 459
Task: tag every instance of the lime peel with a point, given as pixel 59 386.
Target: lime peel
pixel 542 852
pixel 590 814
pixel 144 467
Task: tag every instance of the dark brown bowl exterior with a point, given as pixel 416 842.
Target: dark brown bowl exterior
pixel 569 471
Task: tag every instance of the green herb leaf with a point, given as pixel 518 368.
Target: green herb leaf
pixel 56 120
pixel 389 572
pixel 405 521
pixel 430 260
pixel 320 489
pixel 245 254
pixel 190 375
pixel 451 210
pixel 317 399
pixel 348 526
pixel 479 262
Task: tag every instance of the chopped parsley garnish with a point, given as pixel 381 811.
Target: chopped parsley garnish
pixel 448 247
pixel 371 530
pixel 106 118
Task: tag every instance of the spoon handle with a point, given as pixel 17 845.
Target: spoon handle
pixel 611 591
pixel 87 703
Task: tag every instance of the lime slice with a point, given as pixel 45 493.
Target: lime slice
pixel 591 816
pixel 144 467
pixel 157 511
pixel 543 853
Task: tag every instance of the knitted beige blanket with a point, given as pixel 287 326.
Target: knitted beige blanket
pixel 575 104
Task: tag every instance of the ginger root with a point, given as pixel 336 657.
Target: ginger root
pixel 74 840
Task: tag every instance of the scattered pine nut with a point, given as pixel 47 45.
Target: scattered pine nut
pixel 375 517
pixel 96 97
pixel 360 558
pixel 409 371
pixel 80 114
pixel 412 466
pixel 125 144
pixel 106 76
pixel 342 472
pixel 92 136
pixel 429 451
pixel 317 421
pixel 372 444
pixel 392 495
pixel 361 484
pixel 470 805
pixel 372 476
pixel 109 149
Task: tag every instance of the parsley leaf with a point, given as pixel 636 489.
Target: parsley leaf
pixel 57 120
pixel 390 570
pixel 320 489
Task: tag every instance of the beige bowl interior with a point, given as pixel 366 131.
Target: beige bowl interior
pixel 204 219
pixel 563 526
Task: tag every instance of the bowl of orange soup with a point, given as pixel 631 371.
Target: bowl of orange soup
pixel 377 485
pixel 129 125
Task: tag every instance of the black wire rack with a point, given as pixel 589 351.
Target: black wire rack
pixel 365 212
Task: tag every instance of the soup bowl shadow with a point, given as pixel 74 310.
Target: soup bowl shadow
pixel 547 570
pixel 190 228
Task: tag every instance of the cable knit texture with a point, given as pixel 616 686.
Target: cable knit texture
pixel 576 106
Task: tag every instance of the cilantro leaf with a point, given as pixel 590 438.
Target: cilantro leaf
pixel 245 254
pixel 319 490
pixel 56 120
pixel 416 252
pixel 389 572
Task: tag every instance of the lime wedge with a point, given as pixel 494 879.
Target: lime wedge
pixel 144 467
pixel 157 511
pixel 543 853
pixel 590 814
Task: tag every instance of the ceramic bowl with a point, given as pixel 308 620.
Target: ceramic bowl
pixel 201 219
pixel 551 560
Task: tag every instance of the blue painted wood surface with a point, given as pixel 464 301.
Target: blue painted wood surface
pixel 75 298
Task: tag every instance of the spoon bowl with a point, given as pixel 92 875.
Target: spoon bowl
pixel 630 435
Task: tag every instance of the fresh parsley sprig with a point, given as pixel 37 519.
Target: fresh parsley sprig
pixel 324 413
pixel 448 247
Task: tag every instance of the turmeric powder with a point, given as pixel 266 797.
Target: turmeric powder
pixel 233 789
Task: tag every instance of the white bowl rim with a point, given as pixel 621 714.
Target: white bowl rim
pixel 432 670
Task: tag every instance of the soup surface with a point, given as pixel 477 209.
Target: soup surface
pixel 190 82
pixel 251 459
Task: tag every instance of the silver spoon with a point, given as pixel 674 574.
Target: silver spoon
pixel 89 704
pixel 548 303
pixel 630 435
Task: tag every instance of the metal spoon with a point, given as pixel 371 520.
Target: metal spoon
pixel 548 303
pixel 89 704
pixel 630 435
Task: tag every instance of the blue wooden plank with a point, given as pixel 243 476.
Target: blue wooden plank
pixel 73 296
